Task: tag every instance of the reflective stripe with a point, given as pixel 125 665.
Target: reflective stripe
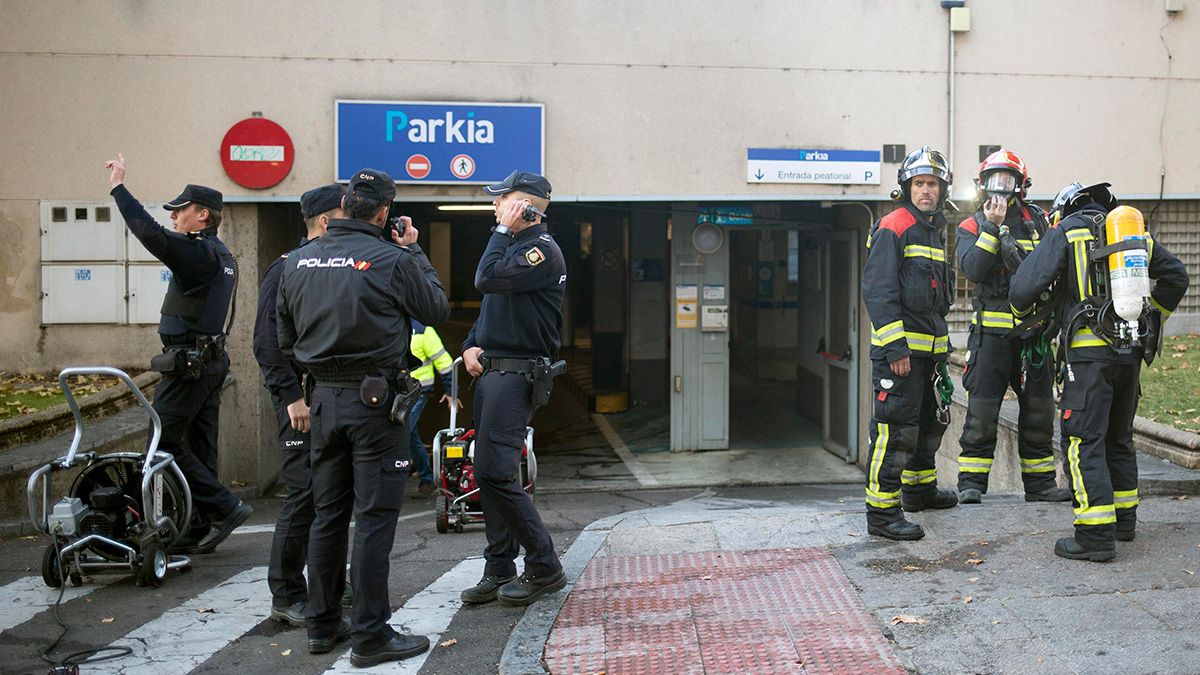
pixel 1026 244
pixel 888 334
pixel 1079 234
pixel 1166 313
pixel 987 242
pixel 918 477
pixel 1079 239
pixel 1125 499
pixel 919 251
pixel 1019 314
pixel 923 342
pixel 875 497
pixel 1084 337
pixel 1096 515
pixel 1038 465
pixel 974 464
pixel 997 319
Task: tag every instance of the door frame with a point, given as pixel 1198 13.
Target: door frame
pixel 851 366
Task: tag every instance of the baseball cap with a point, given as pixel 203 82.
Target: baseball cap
pixel 321 199
pixel 522 181
pixel 198 194
pixel 374 184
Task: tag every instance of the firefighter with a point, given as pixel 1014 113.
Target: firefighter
pixel 1000 353
pixel 906 287
pixel 1101 346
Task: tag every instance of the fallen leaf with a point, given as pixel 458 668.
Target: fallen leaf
pixel 706 577
pixel 995 621
pixel 966 599
pixel 236 483
pixel 972 580
pixel 854 534
pixel 274 644
pixel 107 619
pixel 983 543
pixel 974 561
pixel 910 568
pixel 448 643
pixel 908 618
pixel 1180 498
pixel 206 610
pixel 286 652
pixel 1190 573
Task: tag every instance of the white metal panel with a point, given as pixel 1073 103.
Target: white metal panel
pixel 83 293
pixel 147 288
pixel 74 230
pixel 135 252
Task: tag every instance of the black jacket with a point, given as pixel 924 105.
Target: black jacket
pixel 279 372
pixel 907 285
pixel 345 299
pixel 523 280
pixel 1063 256
pixel 978 251
pixel 202 273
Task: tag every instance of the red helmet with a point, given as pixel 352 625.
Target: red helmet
pixel 995 172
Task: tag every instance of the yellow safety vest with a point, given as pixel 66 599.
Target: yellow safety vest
pixel 427 347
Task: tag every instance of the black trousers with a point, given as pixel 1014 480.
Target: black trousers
pixel 502 411
pixel 904 437
pixel 993 364
pixel 190 413
pixel 360 463
pixel 1099 401
pixel 289 546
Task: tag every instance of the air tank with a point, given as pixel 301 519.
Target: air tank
pixel 1128 270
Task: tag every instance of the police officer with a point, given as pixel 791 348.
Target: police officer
pixel 990 246
pixel 426 346
pixel 343 307
pixel 522 276
pixel 289 547
pixel 193 363
pixel 906 287
pixel 1102 363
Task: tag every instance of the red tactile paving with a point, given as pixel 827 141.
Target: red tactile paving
pixel 761 612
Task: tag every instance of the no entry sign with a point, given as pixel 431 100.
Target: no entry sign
pixel 257 153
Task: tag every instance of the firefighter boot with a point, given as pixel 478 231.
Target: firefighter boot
pixel 1054 494
pixel 935 499
pixel 1126 528
pixel 900 530
pixel 970 496
pixel 1068 547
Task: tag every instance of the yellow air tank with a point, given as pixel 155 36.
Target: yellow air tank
pixel 1129 270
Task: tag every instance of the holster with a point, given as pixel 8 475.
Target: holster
pixel 179 360
pixel 408 392
pixel 541 380
pixel 307 382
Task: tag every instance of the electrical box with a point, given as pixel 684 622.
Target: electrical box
pixel 960 19
pixel 81 231
pixel 83 293
pixel 147 288
pixel 1174 5
pixel 135 252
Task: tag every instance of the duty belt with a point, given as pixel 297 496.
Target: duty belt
pixel 520 366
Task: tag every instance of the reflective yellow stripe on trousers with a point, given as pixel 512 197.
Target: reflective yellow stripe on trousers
pixel 918 477
pixel 875 497
pixel 974 464
pixel 1125 499
pixel 1085 513
pixel 1039 465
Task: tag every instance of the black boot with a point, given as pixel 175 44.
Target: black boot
pixel 1126 529
pixel 1068 547
pixel 940 499
pixel 900 530
pixel 970 496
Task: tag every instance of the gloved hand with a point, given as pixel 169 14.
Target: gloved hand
pixel 1011 253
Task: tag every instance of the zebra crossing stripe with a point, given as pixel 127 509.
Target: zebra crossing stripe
pixel 186 636
pixel 427 613
pixel 26 597
pixel 270 527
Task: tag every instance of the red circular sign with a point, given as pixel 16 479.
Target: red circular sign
pixel 418 166
pixel 257 153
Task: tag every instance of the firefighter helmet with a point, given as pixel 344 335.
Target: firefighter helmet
pixel 1075 196
pixel 1003 172
pixel 924 160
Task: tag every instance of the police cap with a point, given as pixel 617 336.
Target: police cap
pixel 197 194
pixel 321 199
pixel 373 184
pixel 521 181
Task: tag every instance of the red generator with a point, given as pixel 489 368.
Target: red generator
pixel 458 502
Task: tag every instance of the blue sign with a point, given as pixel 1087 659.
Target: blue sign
pixel 828 167
pixel 83 275
pixel 442 143
pixel 726 215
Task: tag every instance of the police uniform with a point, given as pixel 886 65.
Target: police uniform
pixel 289 546
pixel 1101 388
pixel 994 359
pixel 343 307
pixel 523 280
pixel 203 279
pixel 906 288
